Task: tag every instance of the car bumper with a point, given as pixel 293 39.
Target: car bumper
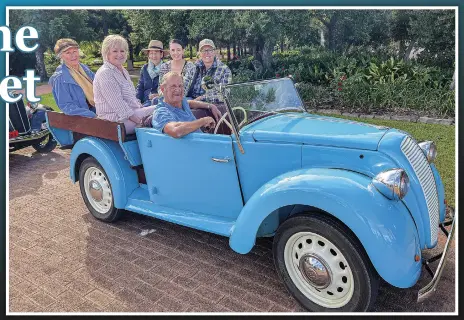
pixel 430 288
pixel 33 136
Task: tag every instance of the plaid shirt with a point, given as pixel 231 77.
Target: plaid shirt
pixel 220 73
pixel 188 72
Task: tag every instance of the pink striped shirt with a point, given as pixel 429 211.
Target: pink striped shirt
pixel 114 93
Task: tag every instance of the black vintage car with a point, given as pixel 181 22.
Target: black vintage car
pixel 27 127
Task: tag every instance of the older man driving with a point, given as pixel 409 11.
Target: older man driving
pixel 173 115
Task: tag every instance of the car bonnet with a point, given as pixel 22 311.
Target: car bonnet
pixel 304 128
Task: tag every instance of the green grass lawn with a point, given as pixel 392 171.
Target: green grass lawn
pixel 443 136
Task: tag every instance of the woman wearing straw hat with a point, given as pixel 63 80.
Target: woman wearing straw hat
pixel 72 81
pixel 147 88
pixel 179 65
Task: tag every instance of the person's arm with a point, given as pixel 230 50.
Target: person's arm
pixel 194 104
pixel 140 88
pixel 180 129
pixel 107 86
pixel 163 120
pixel 223 76
pixel 66 104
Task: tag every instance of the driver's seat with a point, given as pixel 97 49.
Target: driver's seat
pixel 201 113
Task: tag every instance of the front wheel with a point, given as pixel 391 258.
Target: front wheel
pixel 96 191
pixel 323 266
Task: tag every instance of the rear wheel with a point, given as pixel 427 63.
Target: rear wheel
pixel 46 144
pixel 323 265
pixel 96 191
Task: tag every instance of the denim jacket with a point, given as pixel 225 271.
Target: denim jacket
pixel 68 95
pixel 146 85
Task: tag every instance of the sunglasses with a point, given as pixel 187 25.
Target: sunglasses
pixel 207 51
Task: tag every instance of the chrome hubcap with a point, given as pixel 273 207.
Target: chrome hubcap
pixel 98 190
pixel 315 271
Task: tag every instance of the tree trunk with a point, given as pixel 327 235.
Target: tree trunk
pixel 266 54
pixel 130 62
pixel 452 86
pixel 191 52
pixel 104 23
pixel 234 49
pixel 408 51
pixel 40 63
pixel 331 30
pixel 282 45
pixel 228 51
pixel 322 38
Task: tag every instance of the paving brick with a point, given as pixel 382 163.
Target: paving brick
pixel 100 298
pixel 89 306
pixel 236 305
pixel 187 283
pixel 208 293
pixel 149 292
pixel 80 286
pixel 170 304
pixel 22 304
pixel 42 299
pixel 70 298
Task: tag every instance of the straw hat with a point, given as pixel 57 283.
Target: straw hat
pixel 155 45
pixel 64 44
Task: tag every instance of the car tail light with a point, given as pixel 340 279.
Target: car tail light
pixel 14 134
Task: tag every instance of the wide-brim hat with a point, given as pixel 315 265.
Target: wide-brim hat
pixel 64 44
pixel 155 45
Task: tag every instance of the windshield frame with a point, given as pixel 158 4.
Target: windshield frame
pixel 235 125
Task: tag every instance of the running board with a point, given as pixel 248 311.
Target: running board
pixel 139 202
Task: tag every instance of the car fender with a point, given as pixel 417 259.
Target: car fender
pixel 384 227
pixel 110 156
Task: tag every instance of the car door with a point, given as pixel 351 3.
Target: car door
pixel 195 173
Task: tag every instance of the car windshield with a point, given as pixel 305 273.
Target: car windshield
pixel 255 100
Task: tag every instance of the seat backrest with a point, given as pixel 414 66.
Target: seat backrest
pixel 18 117
pixel 83 126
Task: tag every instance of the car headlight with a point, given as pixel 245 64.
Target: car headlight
pixel 393 184
pixel 430 150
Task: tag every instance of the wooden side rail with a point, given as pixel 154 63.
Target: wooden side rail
pixel 83 126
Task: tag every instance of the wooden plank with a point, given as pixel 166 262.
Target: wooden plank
pixel 84 126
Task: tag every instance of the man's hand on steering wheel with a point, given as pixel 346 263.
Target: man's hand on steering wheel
pixel 215 111
pixel 208 124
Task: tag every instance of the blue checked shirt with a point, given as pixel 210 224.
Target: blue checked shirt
pixel 220 73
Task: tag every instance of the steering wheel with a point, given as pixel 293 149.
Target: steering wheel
pixel 223 118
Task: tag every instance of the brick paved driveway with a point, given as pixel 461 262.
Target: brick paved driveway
pixel 63 260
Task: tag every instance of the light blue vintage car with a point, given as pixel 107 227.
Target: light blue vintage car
pixel 346 202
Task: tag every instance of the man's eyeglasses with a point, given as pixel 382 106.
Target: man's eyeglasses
pixel 207 51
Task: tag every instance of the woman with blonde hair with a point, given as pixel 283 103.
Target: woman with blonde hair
pixel 179 65
pixel 115 96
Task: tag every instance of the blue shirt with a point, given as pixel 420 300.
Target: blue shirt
pixel 165 113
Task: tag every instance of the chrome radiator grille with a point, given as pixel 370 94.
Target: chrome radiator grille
pixel 419 163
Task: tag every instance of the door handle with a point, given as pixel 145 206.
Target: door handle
pixel 221 160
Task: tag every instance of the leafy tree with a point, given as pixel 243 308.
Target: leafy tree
pixel 51 26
